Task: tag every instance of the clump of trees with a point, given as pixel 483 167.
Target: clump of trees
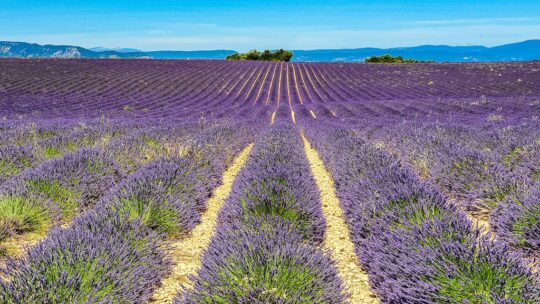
pixel 266 55
pixel 392 59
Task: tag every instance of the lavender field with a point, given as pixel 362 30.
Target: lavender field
pixel 200 181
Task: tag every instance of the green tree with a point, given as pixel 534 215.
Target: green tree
pixel 391 59
pixel 252 55
pixel 266 55
pixel 235 56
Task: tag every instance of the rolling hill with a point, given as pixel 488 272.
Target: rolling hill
pixel 521 51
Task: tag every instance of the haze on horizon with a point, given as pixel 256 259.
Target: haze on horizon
pixel 243 25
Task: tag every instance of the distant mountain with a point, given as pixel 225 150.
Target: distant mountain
pixel 215 54
pixel 120 50
pixel 521 51
pixel 32 50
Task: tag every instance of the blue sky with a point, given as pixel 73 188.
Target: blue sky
pixel 242 25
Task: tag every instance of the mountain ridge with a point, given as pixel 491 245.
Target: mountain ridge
pixel 519 51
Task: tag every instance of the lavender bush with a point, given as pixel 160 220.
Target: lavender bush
pixel 517 222
pixel 14 159
pixel 266 246
pixel 269 263
pixel 166 195
pixel 99 259
pixel 61 187
pixel 415 246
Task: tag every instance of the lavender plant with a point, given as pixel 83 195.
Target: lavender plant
pixel 266 246
pixel 59 188
pixel 169 194
pixel 271 264
pixel 14 159
pixel 165 195
pixel 517 222
pixel 416 247
pixel 101 258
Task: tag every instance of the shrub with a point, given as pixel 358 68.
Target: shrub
pixel 268 265
pixel 165 195
pixel 63 187
pixel 101 258
pixel 13 160
pixel 19 215
pixel 391 59
pixel 517 222
pixel 266 55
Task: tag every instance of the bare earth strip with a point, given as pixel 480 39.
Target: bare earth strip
pixel 16 246
pixel 186 253
pixel 337 236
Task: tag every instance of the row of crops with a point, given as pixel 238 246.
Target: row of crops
pixel 491 171
pixel 267 244
pixel 93 88
pixel 102 210
pixel 414 243
pixel 108 168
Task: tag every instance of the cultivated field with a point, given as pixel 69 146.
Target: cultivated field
pixel 192 181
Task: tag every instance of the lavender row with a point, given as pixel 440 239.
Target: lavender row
pixel 415 246
pixel 55 191
pixel 168 194
pixel 493 172
pixel 172 89
pixel 142 146
pixel 20 133
pixel 101 258
pixel 266 248
pixel 516 221
pixel 111 254
pixel 52 193
pixel 15 159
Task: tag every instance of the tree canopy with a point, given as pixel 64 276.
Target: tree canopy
pixel 391 59
pixel 266 55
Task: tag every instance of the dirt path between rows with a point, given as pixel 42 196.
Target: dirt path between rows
pixel 337 236
pixel 186 253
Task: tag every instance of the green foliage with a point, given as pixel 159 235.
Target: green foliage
pixel 72 146
pixel 266 55
pixel 44 134
pixel 273 198
pixel 474 281
pixel 8 168
pixel 278 278
pixel 53 190
pixel 513 155
pixel 420 215
pixel 18 215
pixel 391 59
pixel 89 272
pixel 160 217
pixel 499 193
pixel 525 223
pixel 51 152
pixel 151 142
pixel 536 175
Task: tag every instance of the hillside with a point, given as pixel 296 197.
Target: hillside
pixel 32 50
pixel 521 51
